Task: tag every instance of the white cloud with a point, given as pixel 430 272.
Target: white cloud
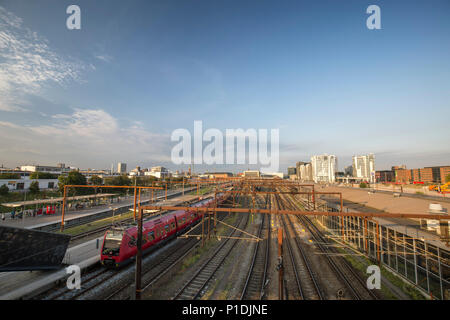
pixel 87 137
pixel 27 63
pixel 9 125
pixel 104 58
pixel 10 19
pixel 8 105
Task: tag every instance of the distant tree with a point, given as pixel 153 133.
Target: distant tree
pixel 43 175
pixel 7 175
pixel 96 180
pixel 73 177
pixel 447 178
pixel 34 187
pixel 122 180
pixel 62 181
pixel 144 181
pixel 4 190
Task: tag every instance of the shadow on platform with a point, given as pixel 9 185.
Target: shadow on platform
pixel 24 249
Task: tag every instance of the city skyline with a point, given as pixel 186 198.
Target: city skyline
pixel 234 168
pixel 116 89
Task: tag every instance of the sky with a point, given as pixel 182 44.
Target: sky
pixel 115 90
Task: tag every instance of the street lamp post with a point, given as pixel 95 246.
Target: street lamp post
pixel 23 210
pixel 113 215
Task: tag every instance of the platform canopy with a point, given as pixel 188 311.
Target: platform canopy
pixel 55 200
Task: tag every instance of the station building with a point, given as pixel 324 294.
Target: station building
pixel 59 169
pixel 251 174
pixel 24 183
pixel 215 175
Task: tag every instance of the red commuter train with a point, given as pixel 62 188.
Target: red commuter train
pixel 119 243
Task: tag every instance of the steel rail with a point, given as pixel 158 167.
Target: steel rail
pixel 343 261
pixel 320 239
pixel 290 251
pixel 205 265
pixel 304 213
pixel 304 257
pixel 258 251
pixel 218 253
pixel 164 263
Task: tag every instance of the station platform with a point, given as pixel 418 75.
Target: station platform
pixel 47 221
pixel 385 201
pixel 25 284
pixel 413 230
pixel 410 227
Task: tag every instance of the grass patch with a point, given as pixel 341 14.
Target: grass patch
pixel 201 191
pixel 361 265
pixel 410 290
pixel 223 295
pixel 189 261
pixel 221 230
pixel 97 224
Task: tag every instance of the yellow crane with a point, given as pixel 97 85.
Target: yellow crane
pixel 444 187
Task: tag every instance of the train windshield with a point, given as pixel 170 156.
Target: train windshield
pixel 112 243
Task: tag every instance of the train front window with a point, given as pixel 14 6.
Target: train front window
pixel 111 247
pixel 112 244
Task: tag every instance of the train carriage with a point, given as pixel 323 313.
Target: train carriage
pixel 119 243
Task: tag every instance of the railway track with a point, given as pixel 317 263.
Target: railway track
pixel 121 283
pixel 257 274
pixel 89 281
pixel 120 280
pixel 348 275
pixel 157 268
pixel 292 268
pixel 307 283
pixel 105 227
pixel 102 283
pixel 194 287
pixel 94 231
pixel 311 289
pixel 354 283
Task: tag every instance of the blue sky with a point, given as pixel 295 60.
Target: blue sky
pixel 116 89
